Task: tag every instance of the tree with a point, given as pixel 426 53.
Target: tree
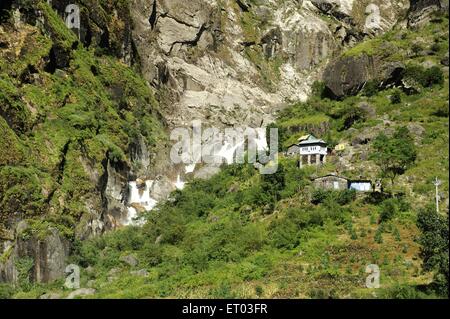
pixel 388 209
pixel 273 184
pixel 434 242
pixel 394 154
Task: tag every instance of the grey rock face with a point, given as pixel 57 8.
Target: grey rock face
pixel 48 254
pixel 140 273
pixel 130 260
pixel 421 11
pixel 198 51
pixel 444 60
pixel 115 194
pixel 348 75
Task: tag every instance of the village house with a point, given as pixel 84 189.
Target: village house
pixel 311 150
pixel 361 185
pixel 335 182
pixel 331 182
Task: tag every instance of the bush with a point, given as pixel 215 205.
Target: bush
pixel 259 291
pixel 223 291
pixel 425 77
pixel 441 111
pixel 318 89
pixel 24 266
pixel 273 184
pixel 346 196
pixel 416 48
pixel 198 259
pixel 284 234
pixel 396 97
pixel 434 251
pixel 6 291
pixel 347 116
pixel 389 209
pixel 402 292
pixel 371 88
pixel 434 75
pixel 340 197
pixel 318 196
pixel 379 236
pixel 152 254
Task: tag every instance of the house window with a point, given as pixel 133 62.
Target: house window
pixel 336 185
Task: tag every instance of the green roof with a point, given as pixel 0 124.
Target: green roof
pixel 312 140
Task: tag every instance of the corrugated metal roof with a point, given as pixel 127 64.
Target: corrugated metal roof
pixel 312 140
pixel 304 137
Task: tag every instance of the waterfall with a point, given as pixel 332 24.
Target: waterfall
pixel 189 168
pixel 132 214
pixel 179 184
pixel 141 197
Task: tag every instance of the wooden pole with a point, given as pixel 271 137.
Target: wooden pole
pixel 436 183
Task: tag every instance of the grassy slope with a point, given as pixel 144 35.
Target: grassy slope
pixel 227 237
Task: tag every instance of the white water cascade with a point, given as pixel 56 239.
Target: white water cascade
pixel 179 184
pixel 140 197
pixel 189 168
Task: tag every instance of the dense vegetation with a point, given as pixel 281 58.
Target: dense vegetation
pixel 64 107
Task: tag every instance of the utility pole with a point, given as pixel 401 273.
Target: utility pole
pixel 436 183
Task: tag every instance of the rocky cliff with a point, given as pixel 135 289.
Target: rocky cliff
pixel 238 62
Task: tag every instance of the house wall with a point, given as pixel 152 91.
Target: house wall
pixel 313 149
pixel 331 183
pixel 293 150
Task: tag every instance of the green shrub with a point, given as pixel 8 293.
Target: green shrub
pixel 423 76
pixel 442 110
pixel 402 292
pixel 273 184
pixel 388 209
pixel 396 97
pixel 379 236
pixel 151 254
pixel 318 196
pixel 396 234
pixel 371 88
pixel 6 291
pixel 434 250
pixel 259 291
pixel 223 291
pixel 284 234
pixel 346 196
pixel 434 75
pixel 24 266
pixel 318 89
pixel 416 48
pixel 197 259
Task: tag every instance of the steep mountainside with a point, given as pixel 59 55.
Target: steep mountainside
pixel 76 126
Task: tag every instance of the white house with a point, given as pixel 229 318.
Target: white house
pixel 311 150
pixel 361 185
